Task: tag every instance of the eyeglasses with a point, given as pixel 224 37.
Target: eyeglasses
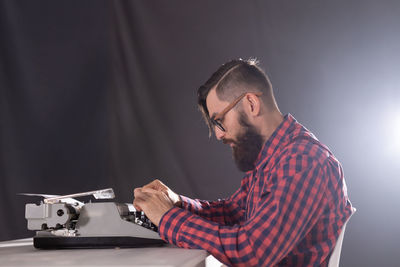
pixel 216 120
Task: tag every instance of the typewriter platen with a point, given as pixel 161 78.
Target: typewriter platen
pixel 64 222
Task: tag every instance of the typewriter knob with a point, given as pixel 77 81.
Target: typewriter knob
pixel 60 212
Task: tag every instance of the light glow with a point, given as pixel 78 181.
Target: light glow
pixel 392 133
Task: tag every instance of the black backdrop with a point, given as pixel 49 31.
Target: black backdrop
pixel 97 94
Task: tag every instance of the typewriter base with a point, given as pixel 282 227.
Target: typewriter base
pixel 55 242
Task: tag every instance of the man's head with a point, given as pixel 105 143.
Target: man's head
pixel 237 103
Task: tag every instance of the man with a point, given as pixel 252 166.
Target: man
pixel 292 202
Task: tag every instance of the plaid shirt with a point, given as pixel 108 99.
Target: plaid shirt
pixel 289 210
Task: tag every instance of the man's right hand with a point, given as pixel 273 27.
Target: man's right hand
pixel 159 186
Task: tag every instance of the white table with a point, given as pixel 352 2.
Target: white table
pixel 22 253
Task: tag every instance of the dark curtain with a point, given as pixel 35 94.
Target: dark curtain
pixel 143 145
pixel 54 75
pixel 161 54
pixel 97 94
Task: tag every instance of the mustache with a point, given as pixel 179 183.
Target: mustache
pixel 228 141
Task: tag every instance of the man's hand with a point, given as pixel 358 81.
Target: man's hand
pixel 153 203
pixel 155 199
pixel 159 186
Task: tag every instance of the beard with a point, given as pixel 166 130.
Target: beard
pixel 247 147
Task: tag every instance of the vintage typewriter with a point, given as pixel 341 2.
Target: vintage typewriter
pixel 64 222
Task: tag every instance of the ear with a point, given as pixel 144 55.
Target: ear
pixel 253 104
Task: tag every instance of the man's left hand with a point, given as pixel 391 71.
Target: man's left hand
pixel 154 203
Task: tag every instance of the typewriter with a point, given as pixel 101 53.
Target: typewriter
pixel 64 222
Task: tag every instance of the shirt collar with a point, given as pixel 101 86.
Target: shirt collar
pixel 277 138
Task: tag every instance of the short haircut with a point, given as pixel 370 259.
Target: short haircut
pixel 231 80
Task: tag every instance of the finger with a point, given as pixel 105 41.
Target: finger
pixel 156 185
pixel 137 208
pixel 139 198
pixel 152 184
pixel 135 194
pixel 149 191
pixel 140 202
pixel 137 191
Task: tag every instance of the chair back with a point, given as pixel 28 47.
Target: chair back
pixel 335 256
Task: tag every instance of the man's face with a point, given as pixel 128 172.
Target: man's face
pixel 242 137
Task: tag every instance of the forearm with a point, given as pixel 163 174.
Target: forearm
pixel 187 230
pixel 225 212
pixel 228 211
pixel 232 245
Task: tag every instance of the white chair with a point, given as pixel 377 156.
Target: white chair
pixel 335 256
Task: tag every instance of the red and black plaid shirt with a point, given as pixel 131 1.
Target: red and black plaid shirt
pixel 289 210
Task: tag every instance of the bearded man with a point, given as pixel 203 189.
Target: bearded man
pixel 292 202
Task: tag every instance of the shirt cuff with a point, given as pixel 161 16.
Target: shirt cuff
pixel 192 205
pixel 170 224
pixel 185 202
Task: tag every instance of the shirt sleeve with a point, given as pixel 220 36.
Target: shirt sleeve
pixel 228 211
pixel 288 207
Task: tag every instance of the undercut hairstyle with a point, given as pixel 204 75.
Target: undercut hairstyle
pixel 232 79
